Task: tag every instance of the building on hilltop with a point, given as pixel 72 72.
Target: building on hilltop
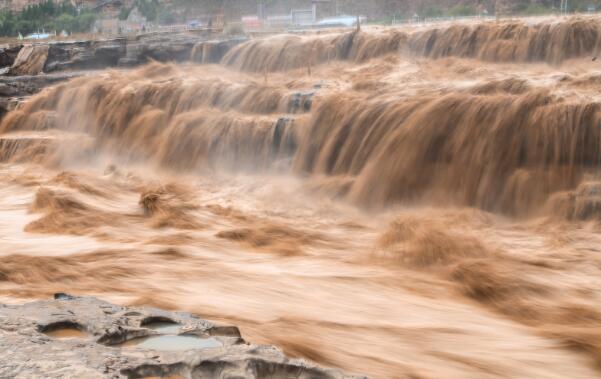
pixel 135 23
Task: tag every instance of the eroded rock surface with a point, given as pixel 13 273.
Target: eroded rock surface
pixel 45 57
pixel 15 89
pixel 83 337
pixel 8 54
pixel 84 55
pixel 30 60
pixel 213 51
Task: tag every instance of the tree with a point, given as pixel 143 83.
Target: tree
pixel 65 22
pixel 124 13
pixel 148 8
pixel 83 23
pixel 45 15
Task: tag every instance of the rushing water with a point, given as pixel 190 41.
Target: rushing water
pixel 397 205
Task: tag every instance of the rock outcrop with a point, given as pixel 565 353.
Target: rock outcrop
pixel 207 52
pixel 8 54
pixel 31 60
pixel 84 55
pixel 14 89
pixel 25 70
pixel 83 337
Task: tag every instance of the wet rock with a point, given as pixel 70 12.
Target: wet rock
pixel 128 62
pixel 30 60
pixel 283 143
pixel 300 102
pixel 14 89
pixel 26 85
pixel 172 47
pixel 8 54
pixel 82 55
pixel 165 47
pixel 207 52
pixel 83 337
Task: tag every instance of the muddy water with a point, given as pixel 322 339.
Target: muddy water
pixel 400 217
pixel 67 333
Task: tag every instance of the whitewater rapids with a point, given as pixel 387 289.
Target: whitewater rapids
pixel 390 202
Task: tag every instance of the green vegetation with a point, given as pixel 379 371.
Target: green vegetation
pixel 433 12
pixel 574 6
pixel 535 10
pixel 124 13
pixel 173 11
pixel 582 5
pixel 462 10
pixel 458 10
pixel 49 16
pixel 149 8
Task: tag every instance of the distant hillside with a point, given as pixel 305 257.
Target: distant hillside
pixel 178 10
pixel 382 9
pixel 433 8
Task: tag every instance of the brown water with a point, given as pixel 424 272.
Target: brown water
pixel 416 217
pixel 67 333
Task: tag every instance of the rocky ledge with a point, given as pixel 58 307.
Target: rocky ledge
pixel 27 69
pixel 45 57
pixel 15 89
pixel 83 337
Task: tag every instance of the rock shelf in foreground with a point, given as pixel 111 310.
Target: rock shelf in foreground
pixel 83 337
